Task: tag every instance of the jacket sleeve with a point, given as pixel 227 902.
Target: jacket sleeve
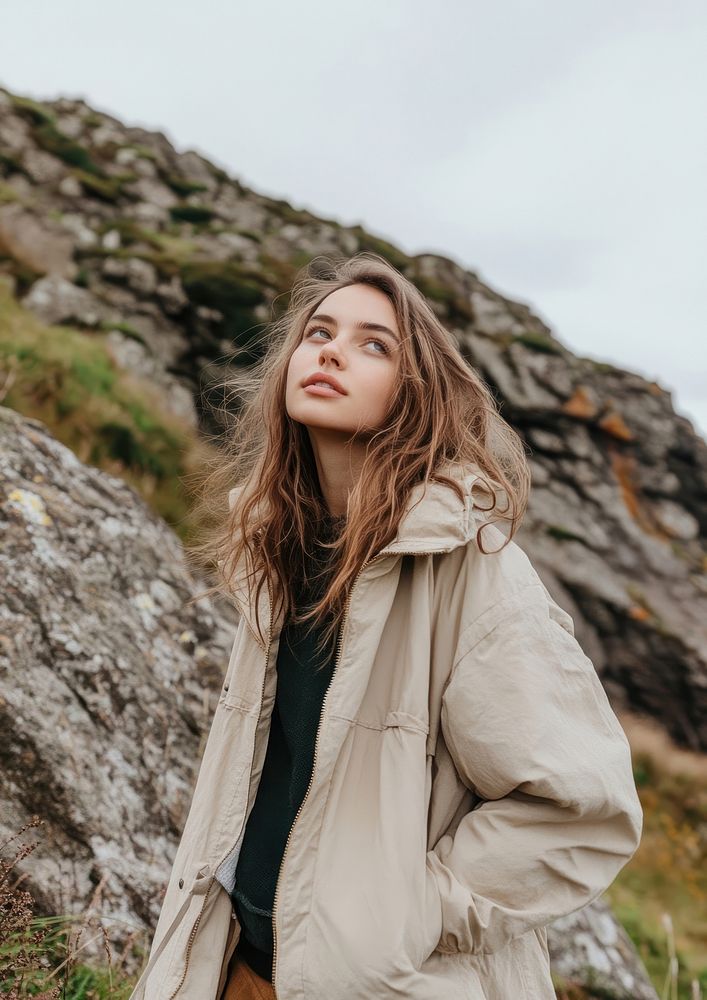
pixel 530 729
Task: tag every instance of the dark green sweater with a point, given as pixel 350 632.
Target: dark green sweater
pixel 286 771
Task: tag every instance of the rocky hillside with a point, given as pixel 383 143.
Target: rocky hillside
pixel 125 265
pixel 176 267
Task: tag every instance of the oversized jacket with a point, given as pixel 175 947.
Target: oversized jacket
pixel 471 783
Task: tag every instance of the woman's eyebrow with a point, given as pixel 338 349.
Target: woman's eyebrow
pixel 361 325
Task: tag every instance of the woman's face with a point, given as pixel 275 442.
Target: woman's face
pixel 364 362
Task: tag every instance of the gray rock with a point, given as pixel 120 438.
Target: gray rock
pixel 171 295
pixel 42 167
pixel 153 192
pixel 108 680
pixel 14 131
pixel 70 187
pixel 56 300
pixel 111 240
pixel 76 224
pixel 591 949
pixel 138 274
pixel 131 354
pixel 39 244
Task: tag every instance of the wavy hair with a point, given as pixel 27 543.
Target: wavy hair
pixel 441 411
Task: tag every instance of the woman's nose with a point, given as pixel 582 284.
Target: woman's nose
pixel 327 352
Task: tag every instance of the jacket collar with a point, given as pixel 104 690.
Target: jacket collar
pixel 435 520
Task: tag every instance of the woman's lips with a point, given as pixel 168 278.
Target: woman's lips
pixel 322 390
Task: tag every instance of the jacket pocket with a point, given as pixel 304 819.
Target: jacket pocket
pixel 231 696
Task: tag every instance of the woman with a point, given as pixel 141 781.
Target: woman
pixel 413 767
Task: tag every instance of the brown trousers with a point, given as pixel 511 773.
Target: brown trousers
pixel 242 983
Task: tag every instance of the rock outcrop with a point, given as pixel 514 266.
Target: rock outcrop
pixel 108 681
pixel 179 265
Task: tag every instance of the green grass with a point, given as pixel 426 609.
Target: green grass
pixel 182 186
pixel 538 342
pixel 110 418
pixel 198 214
pixel 32 111
pixel 660 897
pixel 7 193
pixel 58 964
pixel 52 140
pixel 106 188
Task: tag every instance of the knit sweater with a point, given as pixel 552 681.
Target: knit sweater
pixel 287 769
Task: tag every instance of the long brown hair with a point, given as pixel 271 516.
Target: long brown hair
pixel 441 411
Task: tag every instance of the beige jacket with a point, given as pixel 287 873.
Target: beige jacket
pixel 471 783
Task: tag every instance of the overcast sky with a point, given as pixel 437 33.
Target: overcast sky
pixel 557 149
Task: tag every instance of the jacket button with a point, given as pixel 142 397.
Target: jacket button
pixel 225 687
pixel 181 883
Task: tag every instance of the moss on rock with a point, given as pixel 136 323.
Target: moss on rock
pixel 197 214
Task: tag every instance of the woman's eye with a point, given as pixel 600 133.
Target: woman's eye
pixel 319 329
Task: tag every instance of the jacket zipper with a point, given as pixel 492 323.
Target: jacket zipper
pixel 316 741
pixel 340 643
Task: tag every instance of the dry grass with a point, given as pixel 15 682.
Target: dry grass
pixel 40 957
pixel 661 895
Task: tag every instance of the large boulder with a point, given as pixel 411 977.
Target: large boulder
pixel 108 681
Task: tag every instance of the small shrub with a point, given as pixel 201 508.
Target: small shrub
pixel 182 186
pixel 131 232
pixel 92 120
pixel 538 342
pixel 198 214
pixel 458 307
pixel 105 188
pixel 366 241
pixel 39 955
pixel 143 152
pixel 53 141
pixel 21 950
pixel 228 287
pixel 32 111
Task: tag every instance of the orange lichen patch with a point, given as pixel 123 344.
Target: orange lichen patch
pixel 613 423
pixel 623 467
pixel 638 613
pixel 580 404
pixel 655 388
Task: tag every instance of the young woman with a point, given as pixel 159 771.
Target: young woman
pixel 413 767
